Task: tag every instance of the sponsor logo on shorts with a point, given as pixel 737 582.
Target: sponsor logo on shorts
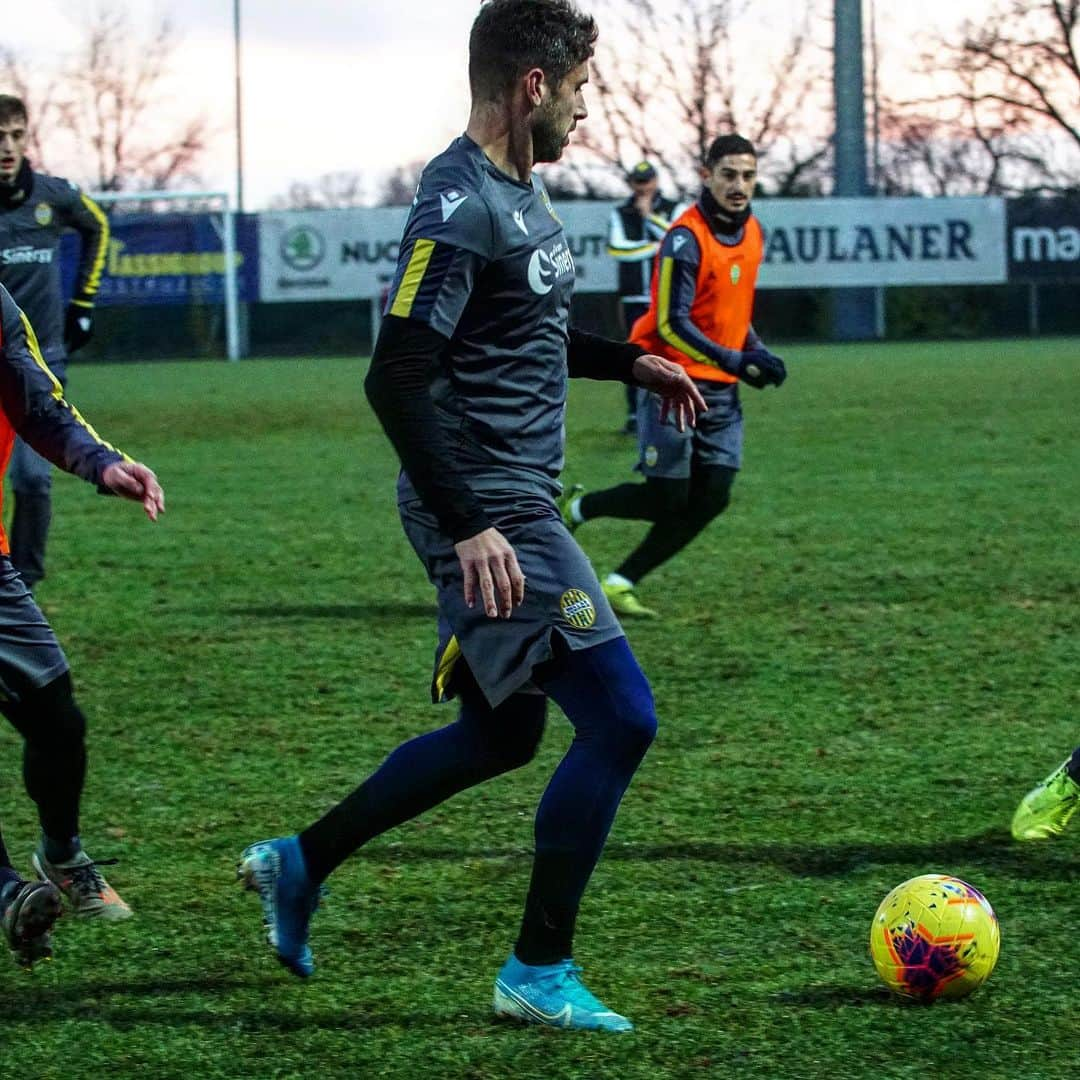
pixel 578 609
pixel 652 456
pixel 43 213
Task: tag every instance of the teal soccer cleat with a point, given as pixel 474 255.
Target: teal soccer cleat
pixel 552 994
pixel 275 870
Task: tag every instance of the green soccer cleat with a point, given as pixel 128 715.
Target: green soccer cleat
pixel 624 601
pixel 563 503
pixel 1045 810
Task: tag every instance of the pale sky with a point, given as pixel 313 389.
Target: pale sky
pixel 356 85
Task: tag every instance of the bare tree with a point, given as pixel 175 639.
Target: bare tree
pixel 1011 119
pixel 398 187
pixel 670 75
pixel 112 96
pixel 326 192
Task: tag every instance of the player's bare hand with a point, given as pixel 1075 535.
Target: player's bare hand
pixel 491 569
pixel 681 399
pixel 133 480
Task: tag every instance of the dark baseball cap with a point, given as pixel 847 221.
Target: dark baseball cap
pixel 643 170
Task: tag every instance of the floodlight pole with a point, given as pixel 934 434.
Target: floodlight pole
pixel 239 119
pixel 853 308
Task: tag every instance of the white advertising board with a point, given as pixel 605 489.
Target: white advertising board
pixel 810 243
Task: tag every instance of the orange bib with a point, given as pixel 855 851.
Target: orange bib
pixel 723 300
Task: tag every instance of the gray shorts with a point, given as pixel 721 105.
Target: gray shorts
pixel 562 594
pixel 717 440
pixel 30 655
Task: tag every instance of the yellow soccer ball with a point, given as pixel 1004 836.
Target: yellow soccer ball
pixel 933 937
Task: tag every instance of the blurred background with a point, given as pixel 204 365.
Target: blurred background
pixel 311 129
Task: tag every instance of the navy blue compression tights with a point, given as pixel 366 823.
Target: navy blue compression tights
pixel 608 701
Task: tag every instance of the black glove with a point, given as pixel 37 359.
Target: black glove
pixel 760 368
pixel 78 327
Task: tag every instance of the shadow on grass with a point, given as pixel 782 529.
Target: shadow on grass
pixel 992 850
pixel 345 612
pixel 832 997
pixel 126 1005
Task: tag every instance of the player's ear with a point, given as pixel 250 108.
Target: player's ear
pixel 535 86
pixel 704 172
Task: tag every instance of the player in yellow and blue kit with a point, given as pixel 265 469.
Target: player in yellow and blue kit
pixel 469 380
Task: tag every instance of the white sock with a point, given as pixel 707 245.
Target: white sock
pixel 575 511
pixel 618 579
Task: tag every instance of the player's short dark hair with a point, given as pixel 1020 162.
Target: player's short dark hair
pixel 12 108
pixel 509 37
pixel 728 144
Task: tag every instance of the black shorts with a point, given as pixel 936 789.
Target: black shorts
pixel 30 655
pixel 562 595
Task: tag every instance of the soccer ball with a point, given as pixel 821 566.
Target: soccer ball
pixel 934 937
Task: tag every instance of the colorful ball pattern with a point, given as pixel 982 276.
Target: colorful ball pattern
pixel 933 937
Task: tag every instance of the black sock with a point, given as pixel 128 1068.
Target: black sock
pixel 547 929
pixel 1072 766
pixel 634 501
pixel 60 851
pixel 5 859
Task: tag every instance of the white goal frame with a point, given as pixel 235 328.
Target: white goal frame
pixel 226 229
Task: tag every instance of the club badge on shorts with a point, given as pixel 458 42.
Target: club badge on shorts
pixel 577 608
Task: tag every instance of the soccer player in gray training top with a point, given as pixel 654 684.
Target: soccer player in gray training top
pixel 35 687
pixel 469 381
pixel 35 209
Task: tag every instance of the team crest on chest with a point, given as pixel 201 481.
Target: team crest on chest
pixel 736 273
pixel 577 608
pixel 43 213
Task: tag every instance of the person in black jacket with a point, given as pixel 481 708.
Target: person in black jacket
pixel 35 210
pixel 35 684
pixel 634 233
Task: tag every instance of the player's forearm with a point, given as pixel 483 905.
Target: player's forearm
pixel 33 403
pixel 93 228
pixel 589 356
pixel 633 253
pixel 397 387
pixel 678 331
pixel 60 435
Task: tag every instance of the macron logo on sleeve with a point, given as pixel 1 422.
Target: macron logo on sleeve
pixel 451 200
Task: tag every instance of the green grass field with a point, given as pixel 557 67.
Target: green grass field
pixel 860 670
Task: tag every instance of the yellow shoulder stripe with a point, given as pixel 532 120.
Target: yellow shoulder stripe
pixel 663 316
pixel 411 279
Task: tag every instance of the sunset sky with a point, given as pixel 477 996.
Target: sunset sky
pixel 362 85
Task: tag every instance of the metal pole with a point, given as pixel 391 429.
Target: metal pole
pixel 228 245
pixel 875 101
pixel 853 308
pixel 239 110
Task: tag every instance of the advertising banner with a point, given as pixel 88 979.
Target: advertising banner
pixel 810 243
pixel 170 259
pixel 827 243
pixel 1044 239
